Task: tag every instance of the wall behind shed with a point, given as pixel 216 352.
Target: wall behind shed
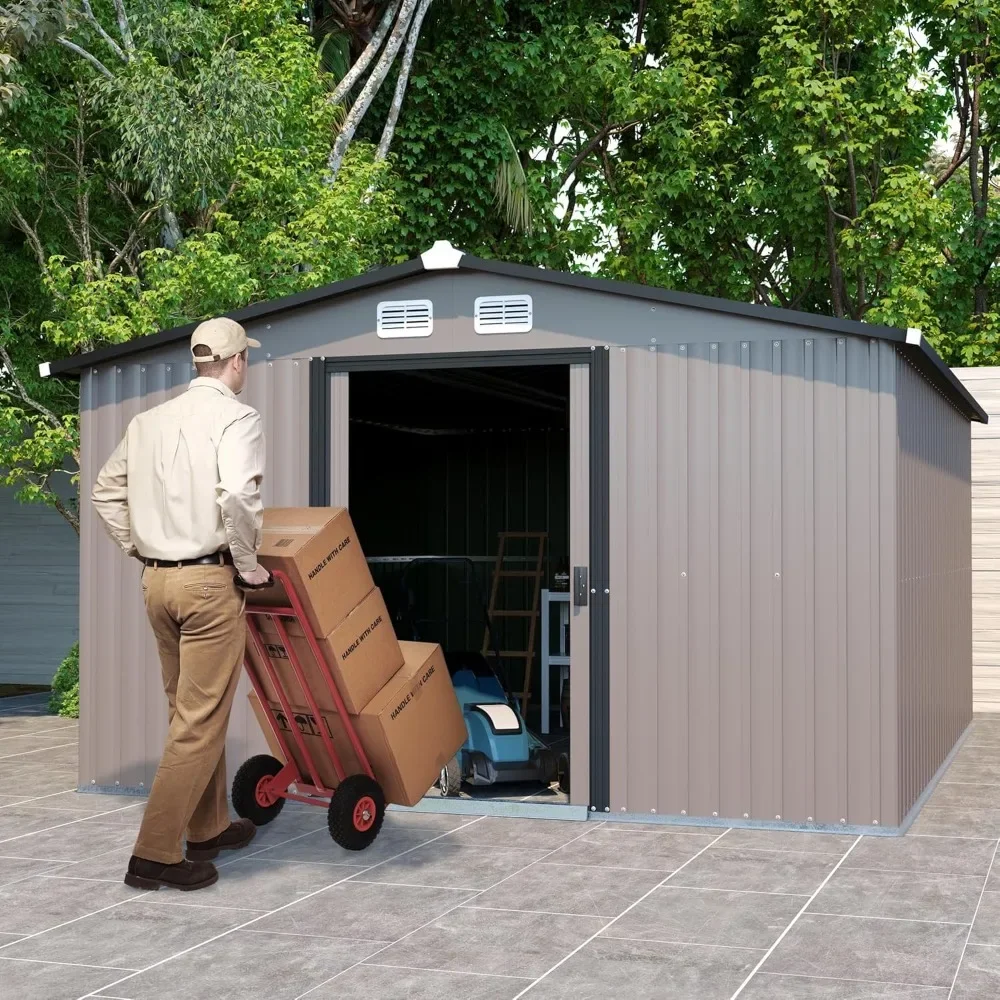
pixel 935 579
pixel 984 384
pixel 39 617
pixel 120 744
pixel 753 661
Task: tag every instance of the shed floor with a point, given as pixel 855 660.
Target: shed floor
pixel 493 909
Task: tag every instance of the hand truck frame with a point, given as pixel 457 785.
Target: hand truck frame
pixel 356 807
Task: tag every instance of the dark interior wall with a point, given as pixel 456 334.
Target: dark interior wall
pixel 441 468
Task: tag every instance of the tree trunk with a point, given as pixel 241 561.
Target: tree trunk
pixel 401 83
pixel 364 60
pixel 370 89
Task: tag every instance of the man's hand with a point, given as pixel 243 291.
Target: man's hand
pixel 258 578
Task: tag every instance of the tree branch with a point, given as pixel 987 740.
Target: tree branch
pixel 123 27
pixel 605 133
pixel 93 60
pixel 88 13
pixel 369 90
pixel 364 60
pixel 39 408
pixel 402 81
pixel 950 172
pixel 32 237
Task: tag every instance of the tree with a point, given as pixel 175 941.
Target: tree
pixel 220 114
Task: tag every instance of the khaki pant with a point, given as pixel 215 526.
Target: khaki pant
pixel 197 615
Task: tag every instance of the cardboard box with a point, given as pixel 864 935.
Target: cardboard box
pixel 409 730
pixel 362 653
pixel 318 549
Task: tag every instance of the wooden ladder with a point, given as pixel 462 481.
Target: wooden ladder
pixel 537 574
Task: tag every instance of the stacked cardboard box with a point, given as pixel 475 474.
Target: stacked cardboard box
pixel 399 695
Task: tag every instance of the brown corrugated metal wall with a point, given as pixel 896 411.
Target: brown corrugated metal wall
pixel 753 662
pixel 935 580
pixel 120 744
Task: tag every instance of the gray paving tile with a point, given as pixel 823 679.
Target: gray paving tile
pixel 492 941
pixel 610 847
pixel 648 971
pixel 955 822
pixel 31 747
pixel 28 781
pixel 240 966
pixel 36 904
pixel 663 826
pixel 788 840
pixel 765 986
pixel 539 835
pixel 964 795
pixel 109 866
pixel 14 869
pixel 425 824
pixel 452 866
pixel 133 935
pixel 359 910
pixel 42 981
pixel 982 770
pixel 597 892
pixel 927 855
pixel 11 725
pixel 251 884
pixel 367 981
pixel 71 843
pixel 87 803
pixel 892 951
pixel 756 871
pixel 903 895
pixel 984 733
pixel 319 847
pixel 16 821
pixel 986 929
pixel 708 917
pixel 979 974
pixel 9 938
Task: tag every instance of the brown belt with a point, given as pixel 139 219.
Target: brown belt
pixel 223 558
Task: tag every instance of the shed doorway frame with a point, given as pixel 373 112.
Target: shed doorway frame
pixel 589 407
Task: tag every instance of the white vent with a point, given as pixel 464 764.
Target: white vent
pixel 503 314
pixel 407 318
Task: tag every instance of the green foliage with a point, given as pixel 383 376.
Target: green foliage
pixel 65 698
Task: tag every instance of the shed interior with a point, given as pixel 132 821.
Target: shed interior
pixel 440 463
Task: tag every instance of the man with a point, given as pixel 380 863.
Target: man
pixel 182 494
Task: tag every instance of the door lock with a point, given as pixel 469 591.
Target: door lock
pixel 580 597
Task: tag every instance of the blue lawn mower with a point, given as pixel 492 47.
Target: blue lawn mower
pixel 499 748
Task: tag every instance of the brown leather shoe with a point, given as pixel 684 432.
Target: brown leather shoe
pixel 236 836
pixel 185 875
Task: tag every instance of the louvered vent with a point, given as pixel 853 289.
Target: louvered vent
pixel 503 314
pixel 406 318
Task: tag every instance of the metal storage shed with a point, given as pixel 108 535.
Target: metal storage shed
pixel 773 509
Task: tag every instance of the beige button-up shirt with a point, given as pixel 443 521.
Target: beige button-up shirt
pixel 185 480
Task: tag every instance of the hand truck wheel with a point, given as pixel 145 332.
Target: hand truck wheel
pixel 450 781
pixel 253 798
pixel 356 812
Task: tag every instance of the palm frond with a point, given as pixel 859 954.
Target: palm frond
pixel 510 186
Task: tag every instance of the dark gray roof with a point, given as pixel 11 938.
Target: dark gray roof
pixel 921 354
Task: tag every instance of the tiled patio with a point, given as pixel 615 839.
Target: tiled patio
pixel 455 908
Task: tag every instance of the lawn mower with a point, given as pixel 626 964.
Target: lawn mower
pixel 499 747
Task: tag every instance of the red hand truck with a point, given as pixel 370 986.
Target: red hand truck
pixel 356 807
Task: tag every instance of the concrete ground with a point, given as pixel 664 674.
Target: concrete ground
pixel 459 908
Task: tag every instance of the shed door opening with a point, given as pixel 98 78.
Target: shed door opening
pixel 455 462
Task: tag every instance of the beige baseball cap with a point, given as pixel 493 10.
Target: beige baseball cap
pixel 224 337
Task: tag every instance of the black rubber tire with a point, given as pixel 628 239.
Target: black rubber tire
pixel 245 787
pixel 450 781
pixel 564 774
pixel 348 796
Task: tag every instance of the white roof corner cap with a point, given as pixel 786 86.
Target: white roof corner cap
pixel 913 336
pixel 45 369
pixel 441 257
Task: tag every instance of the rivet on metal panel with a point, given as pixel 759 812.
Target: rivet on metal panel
pixel 777 343
pixel 624 809
pixel 777 576
pixel 842 820
pixel 142 368
pixel 267 356
pixel 652 350
pixel 607 809
pixel 593 590
pixel 653 811
pixel 607 347
pixel 716 815
pixel 268 327
pixel 840 340
pixel 777 817
pixel 874 821
pixel 168 367
pixel 93 371
pixel 117 782
pixel 270 364
pixel 295 363
pixel 684 812
pixel 118 370
pixel 683 348
pixel 142 784
pixel 593 347
pixel 93 781
pixel 809 819
pixel 715 347
pixel 746 815
pixel 606 590
pixel 652 340
pixel 593 809
pixel 683 576
pixel 809 343
pixel 745 346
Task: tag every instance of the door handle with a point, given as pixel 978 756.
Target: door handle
pixel 580 593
